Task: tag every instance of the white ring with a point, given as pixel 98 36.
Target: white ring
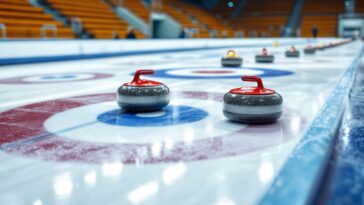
pixel 58 77
pixel 231 72
pixel 213 125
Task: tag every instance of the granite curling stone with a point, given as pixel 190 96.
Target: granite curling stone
pixel 264 57
pixel 276 44
pixel 232 59
pixel 292 52
pixel 309 50
pixel 321 47
pixel 332 45
pixel 252 105
pixel 143 95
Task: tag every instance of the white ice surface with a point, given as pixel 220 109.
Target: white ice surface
pixel 239 179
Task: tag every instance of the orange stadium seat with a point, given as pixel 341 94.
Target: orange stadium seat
pixel 136 7
pixel 257 17
pixel 204 18
pixel 263 18
pixel 359 6
pixel 97 18
pixel 179 16
pixel 22 20
pixel 324 17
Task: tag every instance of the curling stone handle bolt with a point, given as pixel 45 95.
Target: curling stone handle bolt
pixel 138 73
pixel 254 79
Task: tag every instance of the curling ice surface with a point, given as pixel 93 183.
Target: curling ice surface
pixel 210 161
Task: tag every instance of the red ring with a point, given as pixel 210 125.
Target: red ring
pixel 23 134
pixel 20 79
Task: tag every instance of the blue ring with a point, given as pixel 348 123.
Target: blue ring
pixel 163 73
pixel 51 77
pixel 184 57
pixel 173 115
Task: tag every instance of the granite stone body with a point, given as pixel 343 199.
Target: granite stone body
pixel 264 58
pixel 252 108
pixel 309 50
pixel 231 62
pixel 143 98
pixel 293 54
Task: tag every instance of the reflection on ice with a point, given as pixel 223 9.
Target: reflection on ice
pixel 175 113
pixel 225 201
pixel 143 192
pixel 63 185
pixel 188 135
pixel 156 149
pixel 209 128
pixel 90 178
pixel 168 144
pixel 112 169
pixel 173 172
pixel 321 99
pixel 296 125
pixel 37 202
pixel 151 114
pixel 345 138
pixel 315 108
pixel 266 171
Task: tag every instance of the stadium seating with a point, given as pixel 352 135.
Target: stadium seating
pixel 97 18
pixel 322 14
pixel 178 14
pixel 263 18
pixel 196 19
pixel 257 18
pixel 260 26
pixel 327 25
pixel 135 6
pixel 359 6
pixel 222 9
pixel 205 18
pixel 22 20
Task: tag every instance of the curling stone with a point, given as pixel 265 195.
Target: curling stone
pixel 309 50
pixel 231 59
pixel 264 57
pixel 292 52
pixel 276 44
pixel 142 95
pixel 252 104
pixel 321 47
pixel 331 45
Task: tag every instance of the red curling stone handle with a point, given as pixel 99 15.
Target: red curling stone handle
pixel 254 79
pixel 265 51
pixel 138 73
